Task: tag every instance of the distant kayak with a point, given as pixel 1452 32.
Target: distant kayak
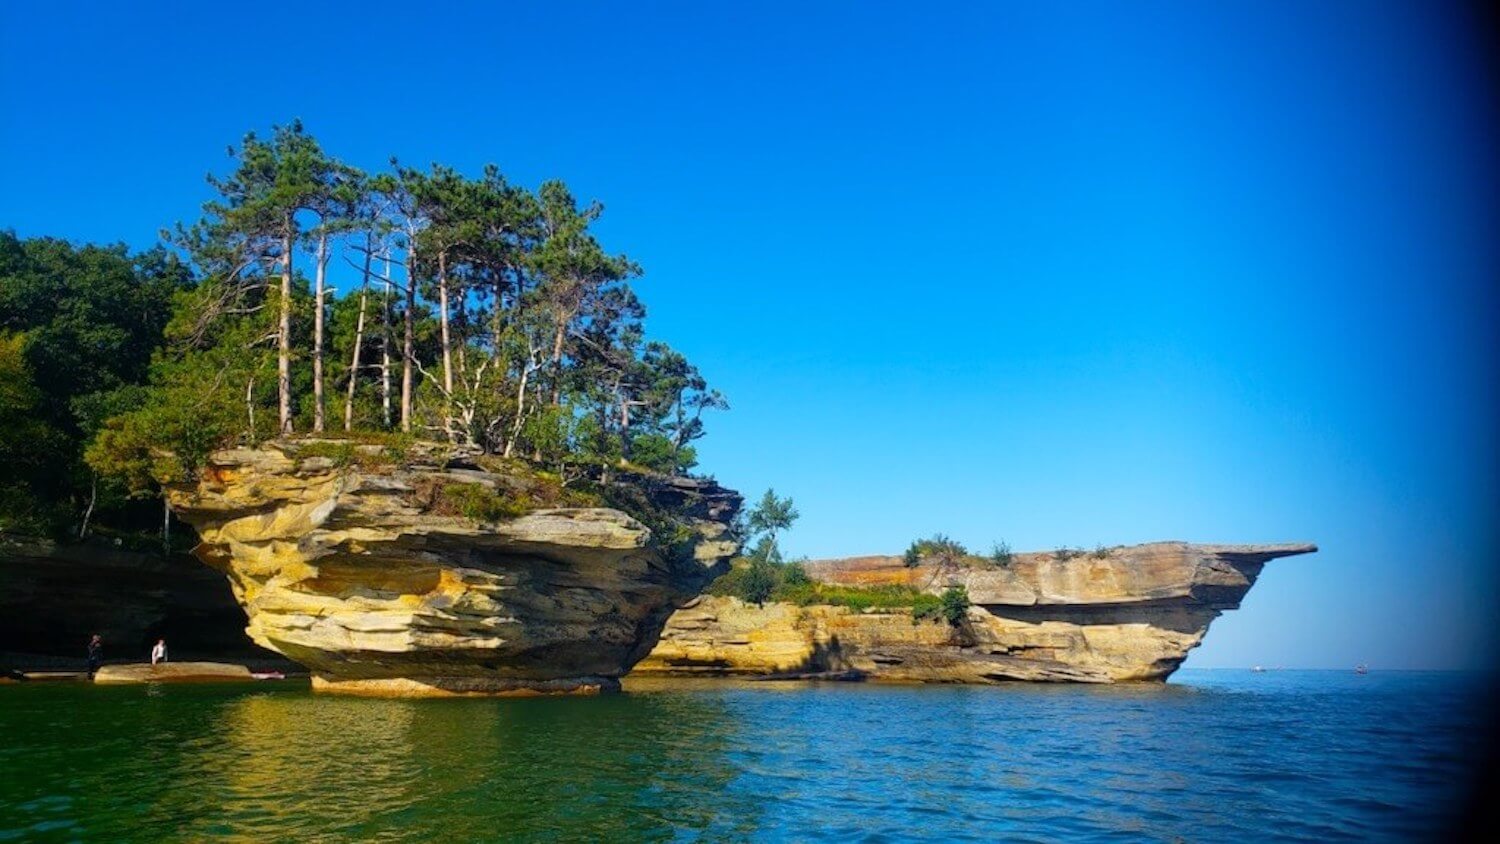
pixel 268 675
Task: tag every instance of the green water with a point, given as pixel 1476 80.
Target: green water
pixel 1214 756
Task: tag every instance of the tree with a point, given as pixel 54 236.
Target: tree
pixel 576 273
pixel 955 605
pixel 81 325
pixel 23 441
pixel 336 206
pixel 518 332
pixel 256 215
pixel 677 395
pixel 759 582
pixel 772 515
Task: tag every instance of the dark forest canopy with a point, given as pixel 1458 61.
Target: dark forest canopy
pixel 313 298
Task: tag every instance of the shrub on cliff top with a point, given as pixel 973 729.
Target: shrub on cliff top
pixel 952 606
pixel 480 503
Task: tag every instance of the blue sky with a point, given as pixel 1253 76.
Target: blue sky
pixel 1095 274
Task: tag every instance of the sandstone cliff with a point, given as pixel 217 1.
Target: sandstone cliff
pixel 356 570
pixel 1128 614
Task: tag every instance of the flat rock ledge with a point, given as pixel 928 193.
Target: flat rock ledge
pixel 173 672
pixel 1112 615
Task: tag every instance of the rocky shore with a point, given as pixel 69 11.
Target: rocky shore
pixel 1130 613
pixel 366 572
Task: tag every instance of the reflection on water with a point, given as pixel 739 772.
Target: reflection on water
pixel 1222 756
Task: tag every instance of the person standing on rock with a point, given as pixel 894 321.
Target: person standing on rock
pixel 96 655
pixel 159 653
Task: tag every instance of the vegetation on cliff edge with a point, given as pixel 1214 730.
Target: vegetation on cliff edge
pixel 313 297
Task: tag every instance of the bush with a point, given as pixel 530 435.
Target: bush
pixel 790 584
pixel 1100 552
pixel 793 574
pixel 955 605
pixel 947 552
pixel 482 504
pixel 1065 553
pixel 952 606
pixel 759 582
pixel 1000 554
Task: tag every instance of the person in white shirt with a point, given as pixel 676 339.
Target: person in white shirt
pixel 159 653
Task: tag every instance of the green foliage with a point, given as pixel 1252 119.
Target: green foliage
pixel 769 517
pixel 952 606
pixel 655 452
pixel 795 574
pixel 857 598
pixel 1001 555
pixel 480 503
pixel 759 581
pixel 764 549
pixel 1064 553
pixel 516 330
pixel 939 548
pixel 955 605
pixel 23 443
pixel 1100 552
pixel 363 449
pixel 79 327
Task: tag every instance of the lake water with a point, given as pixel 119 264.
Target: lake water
pixel 1214 755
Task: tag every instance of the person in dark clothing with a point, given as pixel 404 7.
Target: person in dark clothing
pixel 96 655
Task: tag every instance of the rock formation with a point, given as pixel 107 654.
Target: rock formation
pixel 357 569
pixel 172 672
pixel 1122 614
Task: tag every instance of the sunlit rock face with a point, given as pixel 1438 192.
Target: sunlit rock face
pixel 351 571
pixel 1117 615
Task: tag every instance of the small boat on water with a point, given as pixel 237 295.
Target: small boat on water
pixel 1361 669
pixel 1258 670
pixel 268 675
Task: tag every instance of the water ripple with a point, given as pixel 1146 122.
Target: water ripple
pixel 1218 756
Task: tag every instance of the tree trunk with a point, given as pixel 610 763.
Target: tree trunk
pixel 284 343
pixel 442 281
pixel 624 401
pixel 557 350
pixel 677 437
pixel 359 339
pixel 385 348
pixel 321 276
pixel 83 530
pixel 250 406
pixel 408 353
pixel 515 431
pixel 166 525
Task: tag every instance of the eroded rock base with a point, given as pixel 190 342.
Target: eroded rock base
pixel 464 687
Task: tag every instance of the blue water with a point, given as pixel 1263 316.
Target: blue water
pixel 1215 755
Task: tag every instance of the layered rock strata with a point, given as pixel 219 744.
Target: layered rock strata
pixel 357 572
pixel 1119 615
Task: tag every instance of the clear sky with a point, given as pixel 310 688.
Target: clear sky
pixel 1106 273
